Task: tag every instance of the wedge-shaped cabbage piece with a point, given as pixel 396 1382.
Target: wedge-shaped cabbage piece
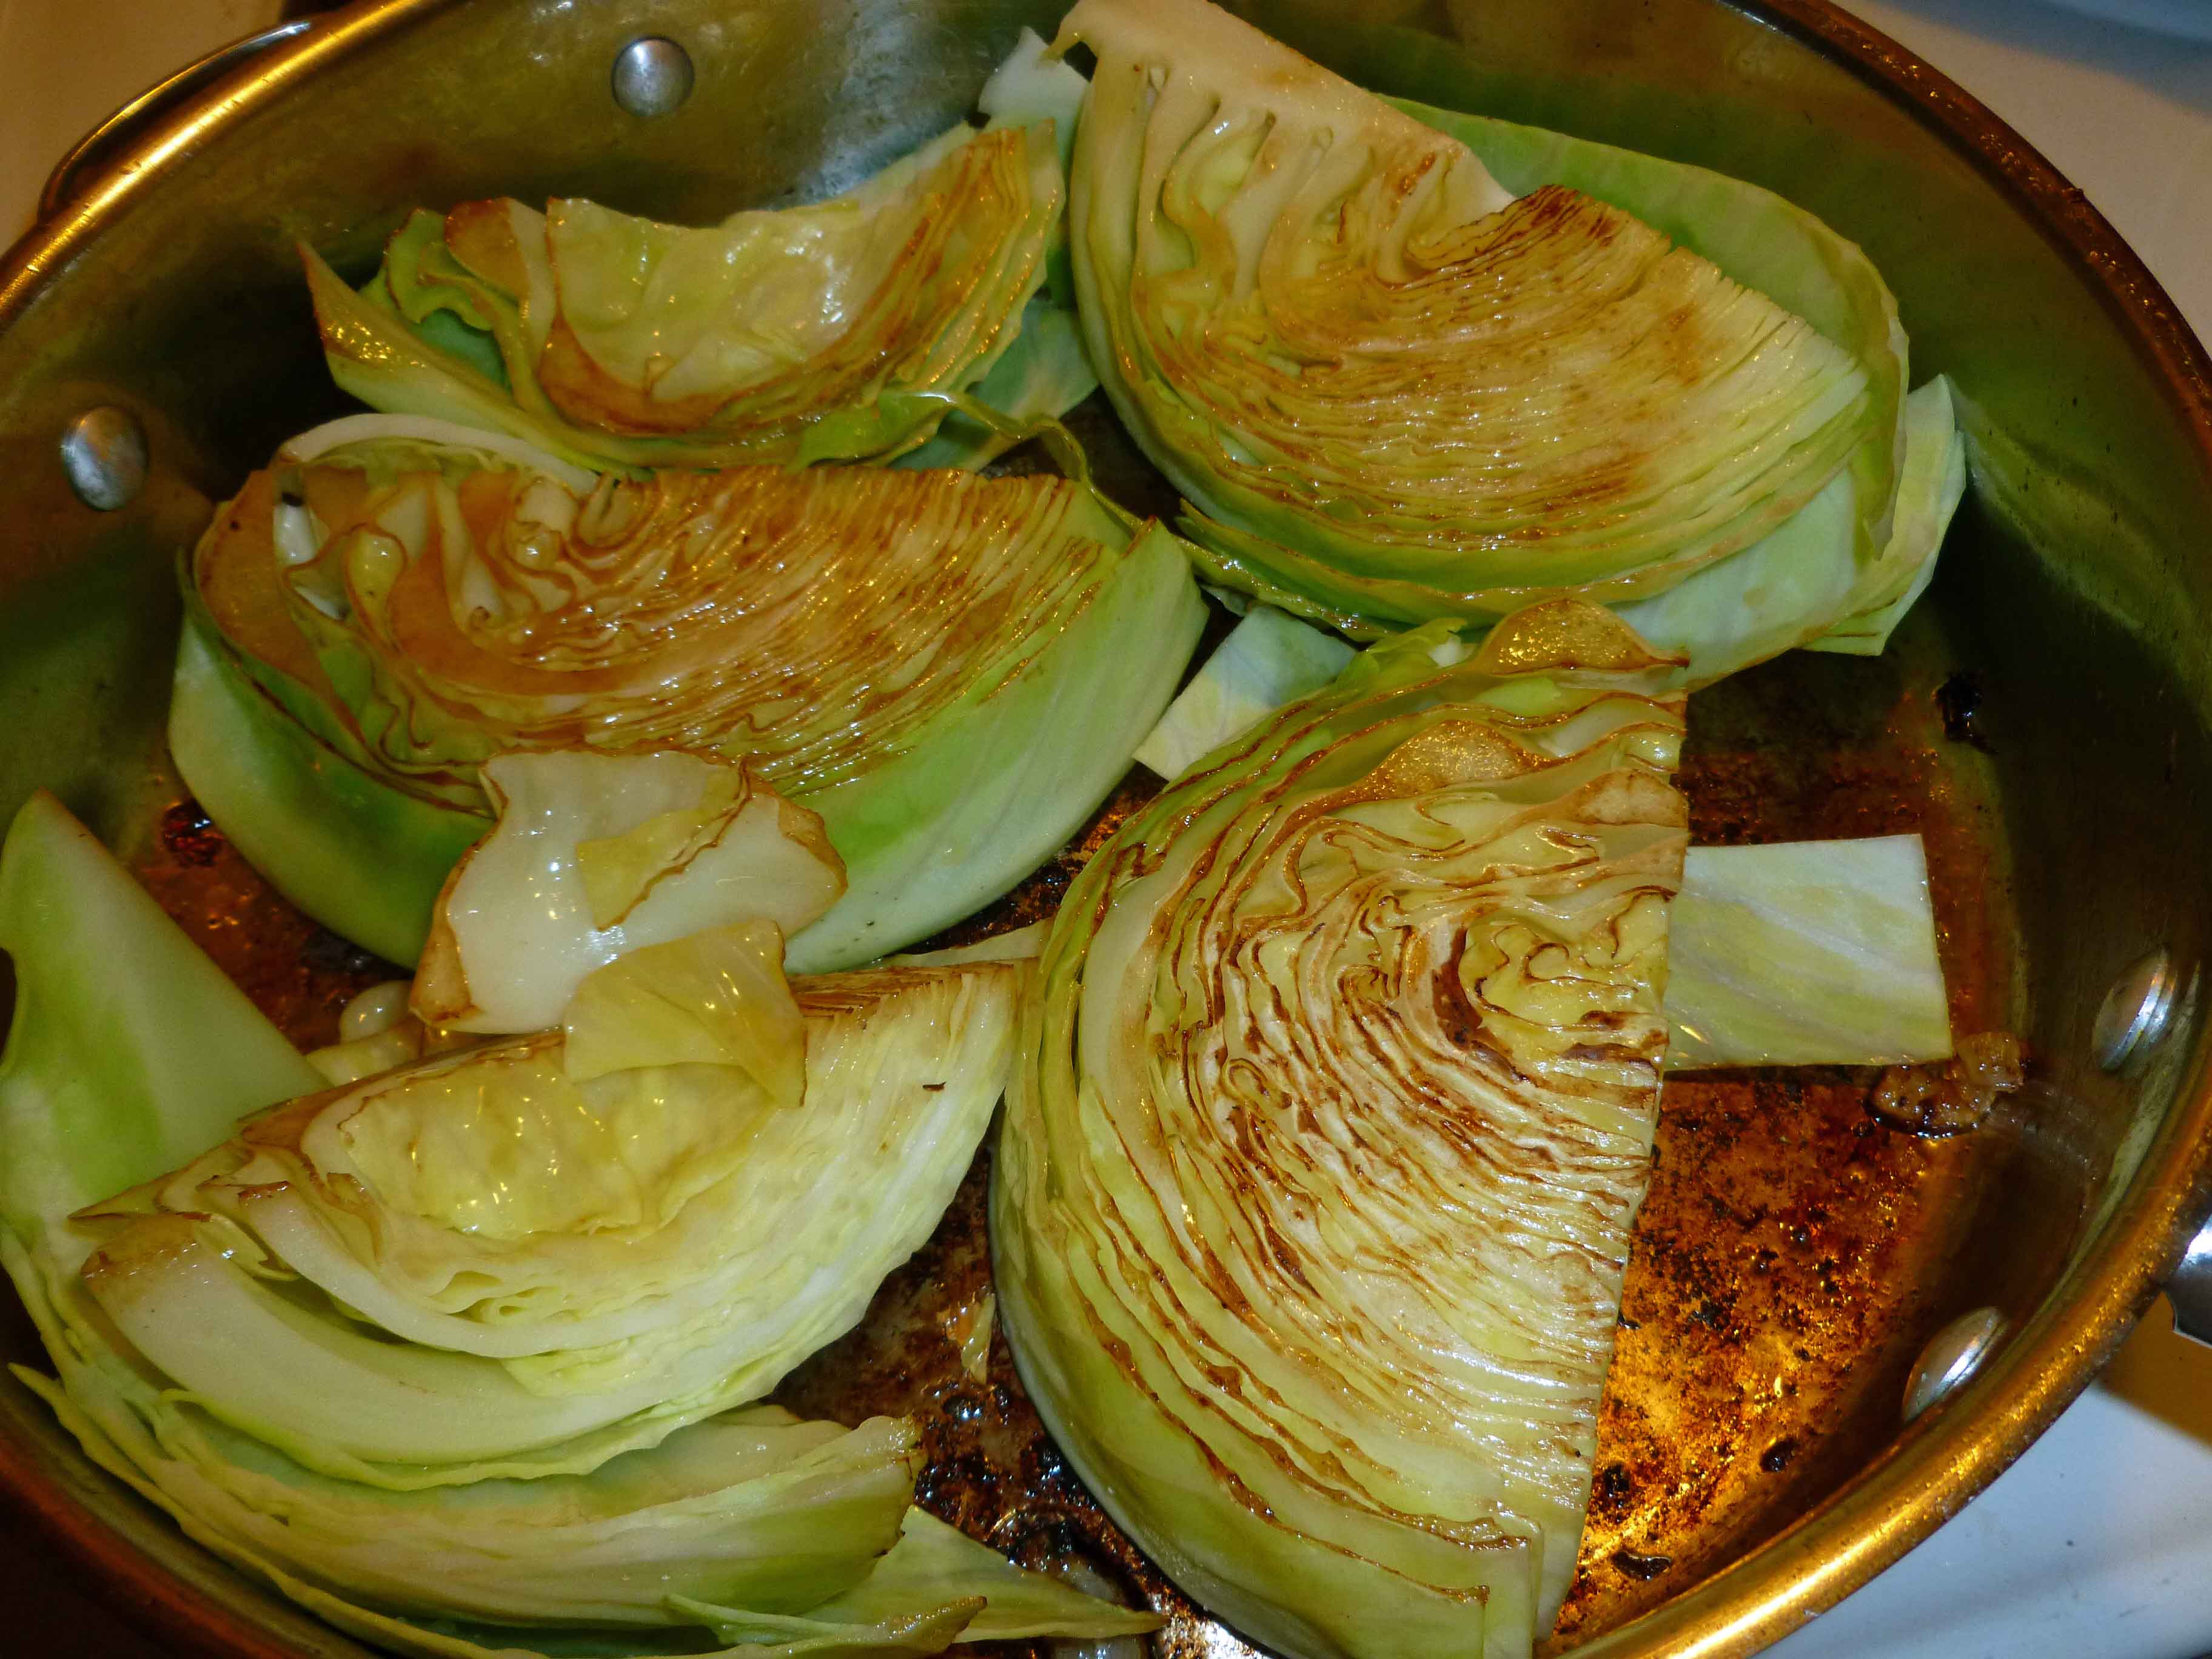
pixel 750 1513
pixel 1334 1104
pixel 846 329
pixel 951 671
pixel 1407 364
pixel 577 1266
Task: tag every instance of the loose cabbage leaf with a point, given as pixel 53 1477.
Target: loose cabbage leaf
pixel 1334 1108
pixel 1410 364
pixel 1806 953
pixel 823 331
pixel 1929 489
pixel 953 671
pixel 595 855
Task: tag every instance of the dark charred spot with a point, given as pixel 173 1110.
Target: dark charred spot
pixel 1776 1458
pixel 1613 1488
pixel 190 836
pixel 1641 1566
pixel 1959 700
pixel 331 953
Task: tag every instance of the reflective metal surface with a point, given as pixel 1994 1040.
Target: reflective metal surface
pixel 100 148
pixel 2134 1016
pixel 652 77
pixel 103 454
pixel 1791 1261
pixel 1953 1354
pixel 2190 1290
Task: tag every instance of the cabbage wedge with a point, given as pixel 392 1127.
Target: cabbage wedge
pixel 743 1515
pixel 841 330
pixel 951 671
pixel 1407 364
pixel 1334 1104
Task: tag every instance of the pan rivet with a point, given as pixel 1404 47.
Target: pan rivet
pixel 652 76
pixel 1953 1354
pixel 104 453
pixel 2135 1012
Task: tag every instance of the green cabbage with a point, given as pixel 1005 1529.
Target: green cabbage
pixel 1806 953
pixel 844 330
pixel 1409 364
pixel 739 1515
pixel 951 671
pixel 1333 1109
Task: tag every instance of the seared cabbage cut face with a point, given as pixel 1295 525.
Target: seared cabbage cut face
pixel 952 670
pixel 845 329
pixel 1393 390
pixel 1335 1103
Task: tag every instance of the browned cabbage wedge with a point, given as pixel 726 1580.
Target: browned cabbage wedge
pixel 1334 1105
pixel 846 329
pixel 1395 392
pixel 952 670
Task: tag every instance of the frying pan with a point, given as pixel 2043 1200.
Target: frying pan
pixel 2043 719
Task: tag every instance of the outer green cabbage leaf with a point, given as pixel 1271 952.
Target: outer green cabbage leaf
pixel 1393 391
pixel 791 335
pixel 1933 483
pixel 933 1561
pixel 1334 1108
pixel 109 993
pixel 1806 953
pixel 952 670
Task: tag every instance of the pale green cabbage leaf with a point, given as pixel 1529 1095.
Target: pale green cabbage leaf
pixel 1806 953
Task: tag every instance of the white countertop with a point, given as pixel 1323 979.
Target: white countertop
pixel 2097 1544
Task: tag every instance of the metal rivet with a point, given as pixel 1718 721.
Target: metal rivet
pixel 1953 1354
pixel 652 76
pixel 104 453
pixel 2135 1012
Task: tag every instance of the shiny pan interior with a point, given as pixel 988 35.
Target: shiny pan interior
pixel 1794 1255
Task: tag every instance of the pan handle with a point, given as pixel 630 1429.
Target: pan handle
pixel 2190 1290
pixel 91 152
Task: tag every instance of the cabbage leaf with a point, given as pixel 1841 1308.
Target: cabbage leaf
pixel 1806 953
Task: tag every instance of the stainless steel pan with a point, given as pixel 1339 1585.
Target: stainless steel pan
pixel 1795 1260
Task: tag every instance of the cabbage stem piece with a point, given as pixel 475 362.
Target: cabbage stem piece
pixel 1334 1104
pixel 952 670
pixel 825 331
pixel 1806 953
